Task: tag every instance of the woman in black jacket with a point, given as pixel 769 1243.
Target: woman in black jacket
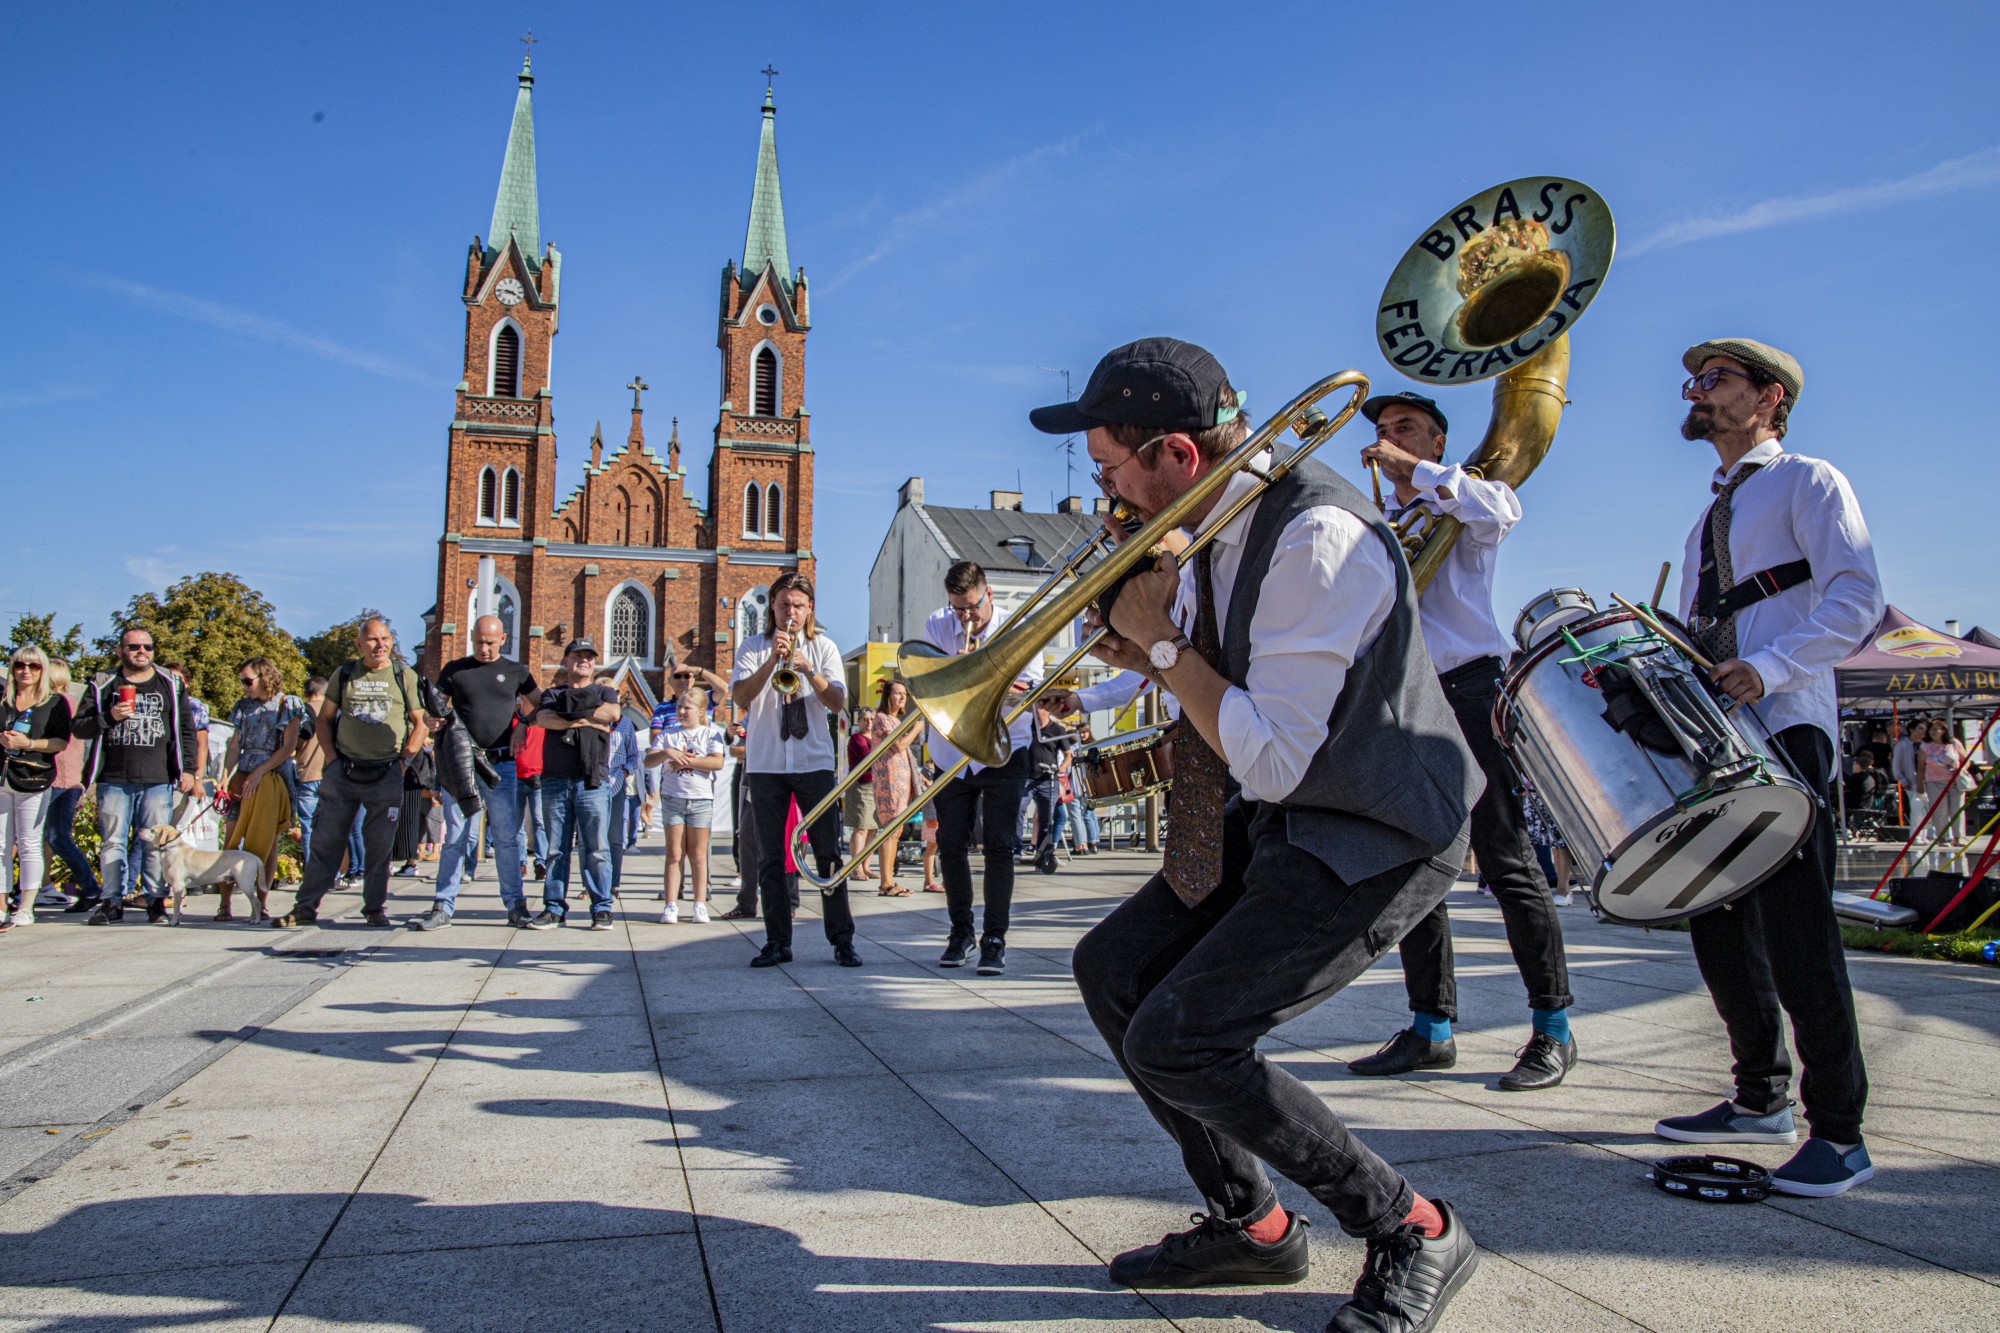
pixel 34 727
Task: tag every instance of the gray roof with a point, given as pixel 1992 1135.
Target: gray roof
pixel 979 534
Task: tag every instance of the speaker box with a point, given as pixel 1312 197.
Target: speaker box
pixel 1927 895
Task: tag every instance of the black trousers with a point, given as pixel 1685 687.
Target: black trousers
pixel 769 793
pixel 1506 858
pixel 1779 946
pixel 381 804
pixel 1042 792
pixel 749 862
pixel 1182 995
pixel 994 796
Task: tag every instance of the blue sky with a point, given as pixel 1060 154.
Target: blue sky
pixel 238 238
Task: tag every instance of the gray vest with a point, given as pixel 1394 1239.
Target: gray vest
pixel 1394 781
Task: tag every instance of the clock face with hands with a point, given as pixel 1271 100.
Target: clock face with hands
pixel 509 291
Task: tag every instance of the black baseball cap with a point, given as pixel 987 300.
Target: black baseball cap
pixel 580 646
pixel 1160 383
pixel 1372 409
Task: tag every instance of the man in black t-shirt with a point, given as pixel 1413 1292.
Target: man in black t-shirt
pixel 142 750
pixel 576 791
pixel 485 692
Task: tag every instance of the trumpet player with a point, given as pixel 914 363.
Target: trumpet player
pixel 968 618
pixel 788 754
pixel 1320 796
pixel 1468 649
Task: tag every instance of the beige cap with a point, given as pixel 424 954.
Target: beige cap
pixel 1750 352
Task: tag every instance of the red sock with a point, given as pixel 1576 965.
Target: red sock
pixel 1270 1228
pixel 1424 1213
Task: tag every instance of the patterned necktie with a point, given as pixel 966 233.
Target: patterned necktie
pixel 1714 632
pixel 1194 829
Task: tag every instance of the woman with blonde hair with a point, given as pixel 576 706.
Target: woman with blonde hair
pixel 34 728
pixel 267 723
pixel 59 817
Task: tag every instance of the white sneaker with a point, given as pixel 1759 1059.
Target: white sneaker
pixel 672 916
pixel 701 914
pixel 52 898
pixel 24 916
pixel 1562 899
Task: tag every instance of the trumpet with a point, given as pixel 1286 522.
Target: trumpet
pixel 788 679
pixel 969 696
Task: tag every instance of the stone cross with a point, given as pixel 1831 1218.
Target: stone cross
pixel 637 386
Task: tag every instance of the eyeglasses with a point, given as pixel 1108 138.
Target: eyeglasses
pixel 971 606
pixel 1103 477
pixel 27 666
pixel 1708 379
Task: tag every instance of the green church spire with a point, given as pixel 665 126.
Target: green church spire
pixel 764 242
pixel 515 208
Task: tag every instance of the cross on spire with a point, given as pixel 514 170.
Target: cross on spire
pixel 769 74
pixel 637 386
pixel 528 45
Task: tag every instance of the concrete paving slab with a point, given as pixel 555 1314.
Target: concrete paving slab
pixel 211 1295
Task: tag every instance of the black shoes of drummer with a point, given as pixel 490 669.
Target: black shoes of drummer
pixel 1409 1279
pixel 771 955
pixel 957 949
pixel 1543 1062
pixel 1216 1253
pixel 1404 1053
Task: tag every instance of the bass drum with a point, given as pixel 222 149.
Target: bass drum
pixel 1674 808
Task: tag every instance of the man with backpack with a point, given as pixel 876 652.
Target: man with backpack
pixel 371 722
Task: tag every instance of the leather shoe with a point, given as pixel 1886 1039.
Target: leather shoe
pixel 1543 1062
pixel 738 914
pixel 1409 1279
pixel 844 955
pixel 1406 1051
pixel 1216 1253
pixel 771 955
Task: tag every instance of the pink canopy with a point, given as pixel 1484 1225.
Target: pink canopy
pixel 1903 659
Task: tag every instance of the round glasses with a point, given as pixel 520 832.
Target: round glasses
pixel 1708 379
pixel 1103 477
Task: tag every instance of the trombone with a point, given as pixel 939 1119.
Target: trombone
pixel 965 696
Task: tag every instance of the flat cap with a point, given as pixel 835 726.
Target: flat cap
pixel 1779 365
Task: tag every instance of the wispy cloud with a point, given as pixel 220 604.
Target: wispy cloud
pixel 1960 173
pixel 250 324
pixel 913 224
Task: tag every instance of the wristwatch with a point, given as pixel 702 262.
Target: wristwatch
pixel 1164 654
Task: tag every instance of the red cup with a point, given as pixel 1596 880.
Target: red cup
pixel 126 695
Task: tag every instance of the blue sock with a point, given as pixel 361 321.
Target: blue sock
pixel 1552 1023
pixel 1431 1027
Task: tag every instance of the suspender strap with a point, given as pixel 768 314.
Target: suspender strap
pixel 1765 583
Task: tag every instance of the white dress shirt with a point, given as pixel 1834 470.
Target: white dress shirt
pixel 765 749
pixel 1457 608
pixel 1330 588
pixel 1796 508
pixel 1112 693
pixel 946 631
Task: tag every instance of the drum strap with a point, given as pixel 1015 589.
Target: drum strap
pixel 1719 594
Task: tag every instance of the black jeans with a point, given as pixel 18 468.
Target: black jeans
pixel 380 802
pixel 1182 995
pixel 1506 858
pixel 995 795
pixel 749 861
pixel 769 793
pixel 1042 791
pixel 1779 945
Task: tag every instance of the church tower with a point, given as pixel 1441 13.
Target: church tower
pixel 760 478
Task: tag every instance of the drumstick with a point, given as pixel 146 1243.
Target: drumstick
pixel 1660 588
pixel 1652 623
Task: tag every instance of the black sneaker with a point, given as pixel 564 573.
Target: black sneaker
pixel 156 911
pixel 957 949
pixel 83 905
pixel 738 914
pixel 1216 1253
pixel 518 917
pixel 992 956
pixel 600 920
pixel 375 916
pixel 545 920
pixel 294 918
pixel 844 955
pixel 1404 1052
pixel 771 955
pixel 1409 1279
pixel 1543 1062
pixel 435 919
pixel 106 913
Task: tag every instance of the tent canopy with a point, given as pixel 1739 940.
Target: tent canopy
pixel 1984 638
pixel 1906 660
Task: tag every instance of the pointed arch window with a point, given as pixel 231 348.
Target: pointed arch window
pixel 774 512
pixel 489 497
pixel 753 510
pixel 507 362
pixel 510 497
pixel 764 382
pixel 631 623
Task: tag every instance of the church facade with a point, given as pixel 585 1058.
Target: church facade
pixel 653 568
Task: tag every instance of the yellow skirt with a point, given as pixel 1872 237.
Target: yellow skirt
pixel 267 813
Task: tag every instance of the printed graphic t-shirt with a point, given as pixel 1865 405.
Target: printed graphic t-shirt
pixel 372 722
pixel 137 750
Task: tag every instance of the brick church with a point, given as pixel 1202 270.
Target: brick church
pixel 653 568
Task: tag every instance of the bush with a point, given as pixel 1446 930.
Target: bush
pixel 1964 947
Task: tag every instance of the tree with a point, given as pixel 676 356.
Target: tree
pixel 40 630
pixel 325 651
pixel 211 623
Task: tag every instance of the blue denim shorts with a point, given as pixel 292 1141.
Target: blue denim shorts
pixel 688 811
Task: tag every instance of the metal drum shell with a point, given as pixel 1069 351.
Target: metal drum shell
pixel 1549 612
pixel 1612 798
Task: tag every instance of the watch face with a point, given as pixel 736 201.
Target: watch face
pixel 1164 654
pixel 509 291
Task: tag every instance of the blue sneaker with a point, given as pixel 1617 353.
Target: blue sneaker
pixel 1819 1170
pixel 1726 1124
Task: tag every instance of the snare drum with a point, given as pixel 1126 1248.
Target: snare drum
pixel 1666 829
pixel 1549 613
pixel 1134 765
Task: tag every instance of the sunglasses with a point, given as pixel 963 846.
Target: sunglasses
pixel 246 681
pixel 1708 379
pixel 27 666
pixel 137 648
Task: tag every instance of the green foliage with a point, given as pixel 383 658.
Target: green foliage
pixel 1963 947
pixel 325 651
pixel 211 622
pixel 40 630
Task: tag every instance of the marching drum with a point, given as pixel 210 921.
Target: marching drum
pixel 1134 765
pixel 1549 613
pixel 1673 805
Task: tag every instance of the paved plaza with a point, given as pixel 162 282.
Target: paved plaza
pixel 215 1127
